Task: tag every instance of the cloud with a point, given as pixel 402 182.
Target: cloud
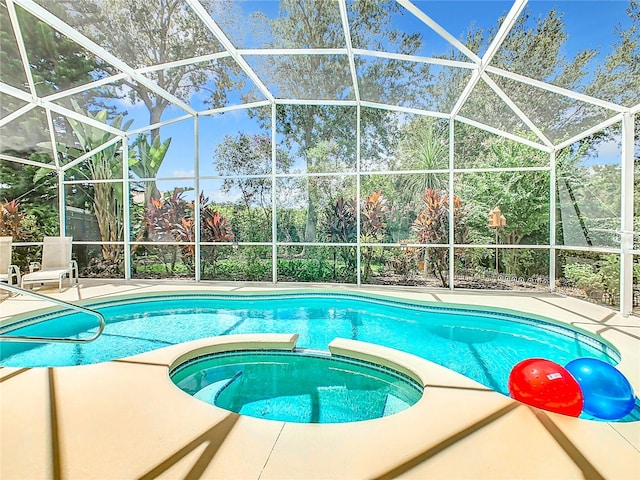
pixel 183 173
pixel 608 149
pixel 217 196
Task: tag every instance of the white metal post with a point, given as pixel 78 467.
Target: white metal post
pixel 196 201
pixel 126 207
pixel 626 216
pixel 452 223
pixel 358 206
pixel 274 186
pixel 62 212
pixel 552 222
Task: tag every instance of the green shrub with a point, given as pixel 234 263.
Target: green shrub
pixel 305 270
pixel 597 279
pixel 583 276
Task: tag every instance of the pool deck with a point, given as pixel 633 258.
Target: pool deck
pixel 124 419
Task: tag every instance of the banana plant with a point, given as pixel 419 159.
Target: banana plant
pixel 148 161
pixel 105 164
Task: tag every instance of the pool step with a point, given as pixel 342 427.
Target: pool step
pixel 393 404
pixel 210 393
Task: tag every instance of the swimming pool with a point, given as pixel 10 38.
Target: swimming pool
pixel 482 344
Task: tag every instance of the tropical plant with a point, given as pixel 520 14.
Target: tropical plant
pixel 373 214
pixel 170 219
pixel 431 226
pixel 214 228
pixel 148 161
pixel 10 219
pixel 145 165
pixel 21 226
pixel 340 227
pixel 424 145
pixel 103 171
pixel 405 262
pixel 340 221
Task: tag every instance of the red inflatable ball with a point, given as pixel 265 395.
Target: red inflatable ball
pixel 545 384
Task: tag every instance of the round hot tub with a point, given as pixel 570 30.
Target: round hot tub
pixel 297 386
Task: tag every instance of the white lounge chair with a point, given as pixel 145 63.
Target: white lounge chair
pixel 8 272
pixel 56 263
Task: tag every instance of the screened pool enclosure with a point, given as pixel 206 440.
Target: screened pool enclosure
pixel 487 145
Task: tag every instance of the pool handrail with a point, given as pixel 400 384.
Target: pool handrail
pixel 73 306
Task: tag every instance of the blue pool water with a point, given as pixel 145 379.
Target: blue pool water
pixel 297 387
pixel 478 344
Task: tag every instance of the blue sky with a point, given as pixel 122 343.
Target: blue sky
pixel 589 24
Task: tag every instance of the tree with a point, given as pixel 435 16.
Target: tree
pixel 245 154
pixel 308 24
pixel 154 32
pixel 537 52
pixel 618 79
pixel 424 145
pixel 533 51
pixel 56 63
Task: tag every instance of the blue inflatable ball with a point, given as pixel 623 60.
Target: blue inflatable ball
pixel 607 392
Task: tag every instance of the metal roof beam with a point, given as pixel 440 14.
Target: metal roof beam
pixel 527 121
pixel 153 126
pixel 21 48
pixel 347 38
pixel 38 102
pixel 244 106
pixel 555 89
pixel 595 129
pixel 183 62
pixel 90 153
pixel 97 50
pixel 293 51
pixel 11 158
pixel 492 49
pixel 17 113
pixel 87 86
pixel 396 108
pixel 415 58
pixel 201 12
pixel 300 101
pixel 502 133
pixel 439 30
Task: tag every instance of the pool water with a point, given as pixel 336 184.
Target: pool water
pixel 481 345
pixel 296 387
